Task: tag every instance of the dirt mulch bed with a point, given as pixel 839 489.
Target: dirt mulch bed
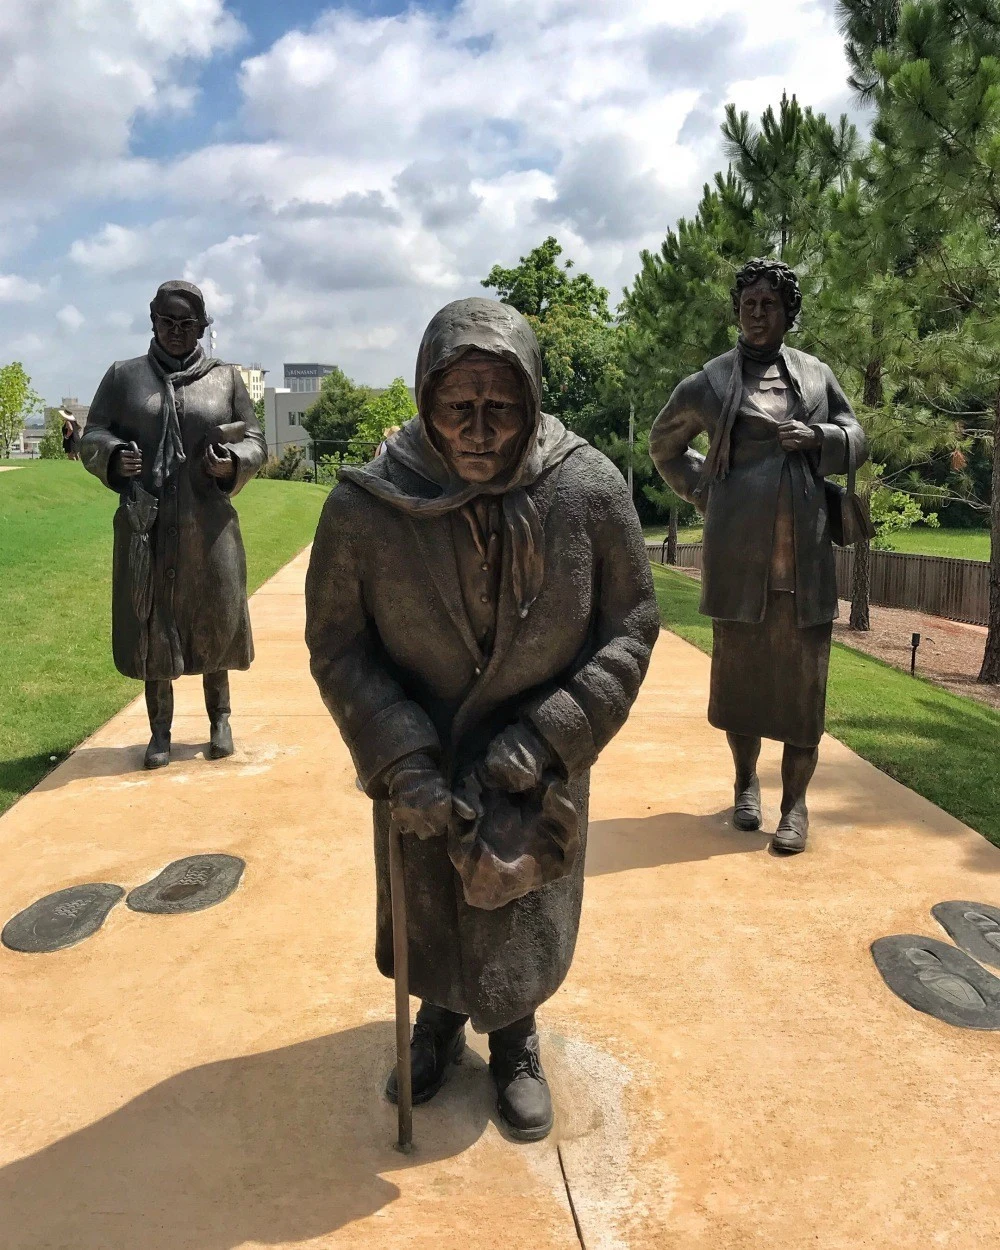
pixel 950 653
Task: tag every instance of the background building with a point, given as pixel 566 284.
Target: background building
pixel 306 378
pixel 253 379
pixel 283 413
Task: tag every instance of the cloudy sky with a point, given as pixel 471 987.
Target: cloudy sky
pixel 332 175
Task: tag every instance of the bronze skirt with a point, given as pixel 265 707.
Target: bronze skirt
pixel 769 680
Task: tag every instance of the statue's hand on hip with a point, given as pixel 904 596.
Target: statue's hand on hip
pixel 419 800
pixel 516 759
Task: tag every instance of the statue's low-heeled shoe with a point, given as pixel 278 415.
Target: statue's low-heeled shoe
pixel 221 742
pixel 791 833
pixel 746 813
pixel 523 1099
pixel 431 1057
pixel 158 751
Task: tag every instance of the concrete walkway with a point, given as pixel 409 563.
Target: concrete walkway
pixel 729 1069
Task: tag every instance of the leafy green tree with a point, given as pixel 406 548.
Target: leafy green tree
pixel 333 419
pixel 51 445
pixel 387 410
pixel 258 412
pixel 575 328
pixel 936 160
pixel 17 402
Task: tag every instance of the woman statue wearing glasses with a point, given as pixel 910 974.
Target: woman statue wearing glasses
pixel 174 433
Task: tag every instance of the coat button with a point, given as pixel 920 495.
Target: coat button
pixel 479 672
pixel 485 567
pixel 484 598
pixel 171 573
pixel 172 531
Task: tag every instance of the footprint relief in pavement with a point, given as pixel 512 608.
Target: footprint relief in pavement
pixel 68 916
pixel 942 980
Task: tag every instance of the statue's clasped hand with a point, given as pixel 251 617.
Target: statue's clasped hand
pixel 516 759
pixel 128 461
pixel 797 436
pixel 219 463
pixel 419 800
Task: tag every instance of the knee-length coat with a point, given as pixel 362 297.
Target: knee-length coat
pixel 199 622
pixel 399 668
pixel 740 509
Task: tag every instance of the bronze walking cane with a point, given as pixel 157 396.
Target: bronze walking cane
pixel 401 975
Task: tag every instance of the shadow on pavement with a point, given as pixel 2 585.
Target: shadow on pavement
pixel 666 838
pixel 284 1146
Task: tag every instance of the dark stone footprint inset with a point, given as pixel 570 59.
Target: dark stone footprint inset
pixel 973 926
pixel 187 885
pixel 61 919
pixel 939 980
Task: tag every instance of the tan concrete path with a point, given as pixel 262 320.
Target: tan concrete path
pixel 729 1069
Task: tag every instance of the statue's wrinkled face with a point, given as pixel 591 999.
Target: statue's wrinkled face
pixel 177 326
pixel 762 316
pixel 478 417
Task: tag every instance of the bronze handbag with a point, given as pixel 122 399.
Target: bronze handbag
pixel 850 520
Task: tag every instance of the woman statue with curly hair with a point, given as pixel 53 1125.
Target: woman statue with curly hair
pixel 778 424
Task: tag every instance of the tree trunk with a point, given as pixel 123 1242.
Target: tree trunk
pixel 989 674
pixel 672 537
pixel 861 585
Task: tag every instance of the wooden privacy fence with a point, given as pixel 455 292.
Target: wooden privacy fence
pixel 938 585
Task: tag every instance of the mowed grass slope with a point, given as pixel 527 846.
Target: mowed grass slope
pixel 57 680
pixel 943 746
pixel 957 544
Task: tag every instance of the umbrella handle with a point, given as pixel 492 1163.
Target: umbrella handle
pixel 401 976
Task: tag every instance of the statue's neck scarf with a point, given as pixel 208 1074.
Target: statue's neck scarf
pixel 719 454
pixel 172 373
pixel 481 325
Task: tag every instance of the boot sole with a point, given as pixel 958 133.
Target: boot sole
pixel 220 753
pixel 427 1094
pixel 525 1134
pixel 787 849
pixel 156 762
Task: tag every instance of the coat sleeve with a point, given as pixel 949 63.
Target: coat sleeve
pixel 377 720
pixel 840 431
pixel 680 421
pixel 99 442
pixel 581 715
pixel 251 453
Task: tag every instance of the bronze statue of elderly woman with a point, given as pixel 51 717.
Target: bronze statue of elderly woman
pixel 174 433
pixel 779 425
pixel 480 616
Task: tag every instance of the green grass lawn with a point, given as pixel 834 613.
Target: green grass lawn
pixel 943 746
pixel 959 544
pixel 57 680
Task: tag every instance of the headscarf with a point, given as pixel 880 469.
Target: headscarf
pixel 719 454
pixel 478 325
pixel 172 373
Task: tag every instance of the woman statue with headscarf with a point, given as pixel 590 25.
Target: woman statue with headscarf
pixel 480 616
pixel 174 433
pixel 779 424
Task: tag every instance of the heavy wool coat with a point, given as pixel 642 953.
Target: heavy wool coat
pixel 740 509
pixel 398 666
pixel 200 622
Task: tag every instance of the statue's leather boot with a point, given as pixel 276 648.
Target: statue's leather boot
pixel 523 1099
pixel 746 813
pixel 160 707
pixel 217 705
pixel 437 1042
pixel 792 831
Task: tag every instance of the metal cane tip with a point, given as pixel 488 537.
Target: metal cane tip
pixel 404 1148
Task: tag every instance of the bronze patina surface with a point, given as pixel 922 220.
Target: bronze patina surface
pixel 975 927
pixel 189 884
pixel 937 979
pixel 61 919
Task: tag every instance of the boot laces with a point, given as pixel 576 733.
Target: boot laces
pixel 528 1064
